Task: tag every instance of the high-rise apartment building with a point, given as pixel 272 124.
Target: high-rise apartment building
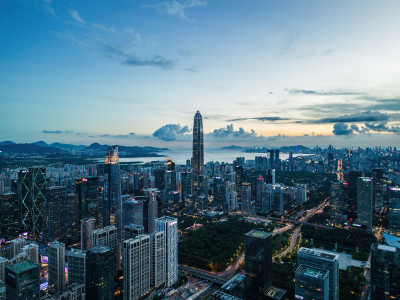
pixel 133 230
pixel 198 153
pixel 157 249
pixel 108 236
pixel 4 262
pixel 112 204
pixel 137 269
pixel 23 281
pixel 16 246
pixel 258 263
pixel 170 227
pixel 32 250
pixel 100 273
pixel 56 267
pixel 364 202
pixel 311 283
pixel 322 261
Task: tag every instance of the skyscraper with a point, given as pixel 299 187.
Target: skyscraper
pixel 108 236
pixel 322 261
pixel 56 267
pixel 311 283
pixel 23 281
pixel 258 263
pixel 364 202
pixel 198 153
pixel 87 189
pixel 16 246
pixel 246 197
pixel 385 272
pixel 54 212
pixel 170 227
pixel 9 216
pixel 100 275
pixel 132 231
pixel 112 204
pixel 157 240
pixel 136 267
pixel 150 210
pixel 32 250
pixel 31 199
pixel 87 227
pixel 76 266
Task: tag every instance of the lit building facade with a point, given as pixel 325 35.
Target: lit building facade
pixel 364 202
pixel 170 227
pixel 112 204
pixel 311 284
pixel 56 267
pixel 137 268
pixel 322 261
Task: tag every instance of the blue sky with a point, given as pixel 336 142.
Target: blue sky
pixel 262 73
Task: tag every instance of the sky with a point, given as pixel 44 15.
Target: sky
pixel 262 73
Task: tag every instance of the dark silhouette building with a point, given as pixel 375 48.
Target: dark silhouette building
pixel 198 153
pixel 258 264
pixel 112 204
pixel 100 273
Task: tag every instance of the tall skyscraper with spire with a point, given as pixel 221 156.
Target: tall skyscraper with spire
pixel 112 204
pixel 198 154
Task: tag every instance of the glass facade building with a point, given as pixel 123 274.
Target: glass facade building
pixel 322 261
pixel 385 272
pixel 22 281
pixel 198 153
pixel 32 200
pixel 258 263
pixel 364 202
pixel 100 273
pixel 311 284
pixel 112 204
pixel 9 227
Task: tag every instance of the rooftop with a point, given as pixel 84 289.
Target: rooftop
pixel 386 248
pixel 319 253
pixel 237 279
pixel 22 266
pixel 258 234
pixel 100 249
pixel 392 240
pixel 311 272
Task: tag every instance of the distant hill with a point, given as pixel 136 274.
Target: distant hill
pixel 41 144
pixel 130 150
pixel 68 146
pixel 6 143
pixel 298 148
pixel 233 148
pixel 30 149
pixel 41 147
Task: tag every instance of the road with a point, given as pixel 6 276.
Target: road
pixel 296 233
pixel 293 242
pixel 228 272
